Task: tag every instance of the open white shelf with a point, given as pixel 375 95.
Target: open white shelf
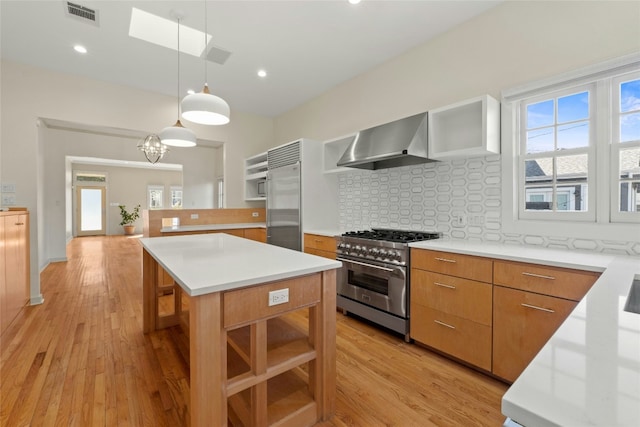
pixel 333 150
pixel 466 129
pixel 255 172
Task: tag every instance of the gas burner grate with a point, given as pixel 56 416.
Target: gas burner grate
pixel 389 235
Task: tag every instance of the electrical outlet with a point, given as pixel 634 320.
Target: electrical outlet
pixel 280 296
pixel 8 199
pixel 459 220
pixel 195 216
pixel 8 187
pixel 255 214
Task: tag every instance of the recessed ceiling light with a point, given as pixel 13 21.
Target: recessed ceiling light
pixel 161 31
pixel 262 73
pixel 80 49
pixel 354 1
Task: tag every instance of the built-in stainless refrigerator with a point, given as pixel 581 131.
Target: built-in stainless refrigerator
pixel 284 227
pixel 300 197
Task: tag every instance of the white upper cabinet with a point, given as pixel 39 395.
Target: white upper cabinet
pixel 469 128
pixel 255 174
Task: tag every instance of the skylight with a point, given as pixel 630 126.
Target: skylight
pixel 163 32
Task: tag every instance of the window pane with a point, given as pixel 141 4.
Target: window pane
pixel 630 96
pixel 573 107
pixel 540 141
pixel 573 135
pixel 630 127
pixel 90 209
pixel 155 199
pixel 571 191
pixel 538 198
pixel 540 114
pixel 630 180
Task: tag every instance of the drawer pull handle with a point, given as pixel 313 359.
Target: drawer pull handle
pixel 19 223
pixel 548 310
pixel 446 260
pixel 444 324
pixel 443 285
pixel 539 276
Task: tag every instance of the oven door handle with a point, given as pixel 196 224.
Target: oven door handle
pixel 364 264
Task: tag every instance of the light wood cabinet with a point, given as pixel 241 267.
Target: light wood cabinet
pixel 530 302
pixel 523 323
pixel 14 284
pixel 452 264
pixel 553 281
pixel 257 234
pixel 316 244
pixel 452 312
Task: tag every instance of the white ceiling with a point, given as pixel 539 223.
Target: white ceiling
pixel 307 47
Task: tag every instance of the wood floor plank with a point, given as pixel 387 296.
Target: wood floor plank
pixel 81 359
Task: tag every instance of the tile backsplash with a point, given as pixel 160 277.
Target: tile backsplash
pixel 460 198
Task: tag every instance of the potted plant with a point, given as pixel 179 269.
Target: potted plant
pixel 128 218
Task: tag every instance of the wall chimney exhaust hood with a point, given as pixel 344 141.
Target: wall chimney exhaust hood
pixel 399 143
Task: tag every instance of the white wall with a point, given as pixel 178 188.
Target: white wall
pixel 29 93
pixel 514 43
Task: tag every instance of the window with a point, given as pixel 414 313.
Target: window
pixel 220 192
pixel 176 197
pixel 556 144
pixel 155 196
pixel 571 153
pixel 625 147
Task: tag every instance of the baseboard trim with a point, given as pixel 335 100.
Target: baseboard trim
pixel 36 300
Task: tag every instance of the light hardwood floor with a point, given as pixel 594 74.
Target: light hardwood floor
pixel 81 359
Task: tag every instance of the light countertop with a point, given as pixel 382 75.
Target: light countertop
pixel 324 232
pixel 588 373
pixel 209 227
pixel 206 263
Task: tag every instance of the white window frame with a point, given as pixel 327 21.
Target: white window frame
pixel 590 151
pixel 173 189
pixel 602 228
pixel 616 147
pixel 151 188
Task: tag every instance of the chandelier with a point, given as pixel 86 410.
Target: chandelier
pixel 153 148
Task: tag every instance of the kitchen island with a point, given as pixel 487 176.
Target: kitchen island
pixel 235 289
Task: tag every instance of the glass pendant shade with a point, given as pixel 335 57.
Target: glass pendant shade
pixel 178 136
pixel 205 108
pixel 153 148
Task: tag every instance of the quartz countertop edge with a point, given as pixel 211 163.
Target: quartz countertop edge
pixel 588 373
pixel 208 263
pixel 208 227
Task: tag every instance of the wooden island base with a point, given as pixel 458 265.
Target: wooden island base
pixel 248 365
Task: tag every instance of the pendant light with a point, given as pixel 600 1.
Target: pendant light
pixel 205 108
pixel 153 148
pixel 178 135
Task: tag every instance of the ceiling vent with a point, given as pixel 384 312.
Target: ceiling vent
pixel 218 55
pixel 82 13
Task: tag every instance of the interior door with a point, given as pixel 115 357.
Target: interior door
pixel 91 211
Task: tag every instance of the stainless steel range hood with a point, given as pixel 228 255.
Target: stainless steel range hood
pixel 399 143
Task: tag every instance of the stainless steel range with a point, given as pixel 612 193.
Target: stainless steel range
pixel 374 280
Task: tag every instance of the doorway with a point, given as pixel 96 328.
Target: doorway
pixel 90 203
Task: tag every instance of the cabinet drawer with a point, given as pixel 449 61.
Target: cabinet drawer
pixel 461 338
pixel 323 243
pixel 466 266
pixel 248 304
pixel 554 281
pixel 257 234
pixel 318 252
pixel 464 298
pixel 522 324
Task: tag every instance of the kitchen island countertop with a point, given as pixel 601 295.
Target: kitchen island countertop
pixel 205 263
pixel 588 373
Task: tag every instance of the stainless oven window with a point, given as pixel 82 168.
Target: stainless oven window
pixel 376 284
